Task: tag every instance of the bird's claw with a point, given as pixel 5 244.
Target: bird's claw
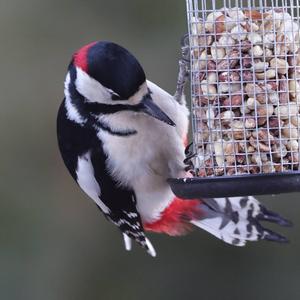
pixel 188 161
pixel 188 149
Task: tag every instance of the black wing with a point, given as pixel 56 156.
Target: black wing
pixel 120 200
pixel 79 141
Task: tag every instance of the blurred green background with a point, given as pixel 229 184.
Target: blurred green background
pixel 55 244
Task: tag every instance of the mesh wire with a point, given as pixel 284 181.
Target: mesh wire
pixel 245 85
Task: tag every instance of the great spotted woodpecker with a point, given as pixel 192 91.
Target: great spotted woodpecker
pixel 121 137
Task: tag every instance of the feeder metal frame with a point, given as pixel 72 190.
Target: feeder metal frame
pixel 197 12
pixel 236 178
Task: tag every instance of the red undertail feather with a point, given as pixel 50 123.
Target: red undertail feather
pixel 175 218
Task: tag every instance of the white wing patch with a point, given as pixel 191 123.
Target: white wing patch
pixel 90 88
pixel 87 181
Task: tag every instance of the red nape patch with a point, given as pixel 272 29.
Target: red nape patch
pixel 175 218
pixel 80 56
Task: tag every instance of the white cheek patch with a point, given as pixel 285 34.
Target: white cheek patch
pixel 90 88
pixel 87 181
pixel 93 91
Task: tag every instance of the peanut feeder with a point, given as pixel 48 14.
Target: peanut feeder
pixel 245 90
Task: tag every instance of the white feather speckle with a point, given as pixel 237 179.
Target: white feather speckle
pixel 127 242
pixel 151 249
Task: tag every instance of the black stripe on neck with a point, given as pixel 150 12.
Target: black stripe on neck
pixel 124 133
pixel 105 109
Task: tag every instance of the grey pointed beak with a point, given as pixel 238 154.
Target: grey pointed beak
pixel 148 107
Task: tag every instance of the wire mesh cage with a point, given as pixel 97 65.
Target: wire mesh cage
pixel 245 88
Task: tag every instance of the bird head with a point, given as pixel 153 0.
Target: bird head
pixel 107 78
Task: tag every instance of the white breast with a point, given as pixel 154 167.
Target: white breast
pixel 144 161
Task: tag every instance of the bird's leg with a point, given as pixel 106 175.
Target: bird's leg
pixel 182 79
pixel 183 73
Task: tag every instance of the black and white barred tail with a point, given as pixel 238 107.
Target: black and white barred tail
pixel 236 220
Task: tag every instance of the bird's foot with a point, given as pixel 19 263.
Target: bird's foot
pixel 188 161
